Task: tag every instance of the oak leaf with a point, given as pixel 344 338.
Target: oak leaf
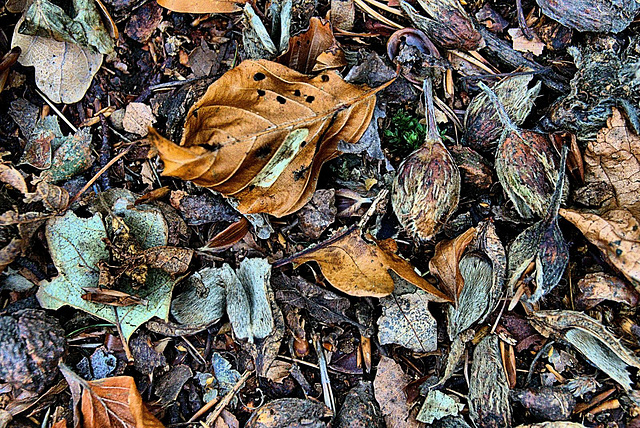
pixel 108 403
pixel 202 6
pixel 262 131
pixel 361 268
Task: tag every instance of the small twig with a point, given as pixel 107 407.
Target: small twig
pixel 204 409
pixel 365 218
pixel 194 352
pixel 327 393
pixel 500 75
pixel 125 345
pixel 58 112
pixel 522 21
pixel 227 398
pixel 361 4
pixel 104 153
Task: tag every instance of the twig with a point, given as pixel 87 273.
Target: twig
pixel 327 393
pixel 365 218
pixel 227 398
pixel 104 153
pixel 55 109
pixel 204 409
pixel 361 4
pixel 125 345
pixel 194 352
pixel 523 22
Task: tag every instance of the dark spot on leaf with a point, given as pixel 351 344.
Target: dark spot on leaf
pixel 263 151
pixel 304 143
pixel 310 99
pixel 299 174
pixel 195 113
pixel 297 92
pixel 259 76
pixel 212 147
pixel 618 252
pixel 281 99
pixel 324 78
pixel 261 93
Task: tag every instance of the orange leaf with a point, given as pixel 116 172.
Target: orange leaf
pixel 360 268
pixel 444 263
pixel 262 131
pixel 202 6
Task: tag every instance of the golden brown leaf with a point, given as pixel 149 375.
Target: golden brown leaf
pixel 262 131
pixel 11 176
pixel 614 158
pixel 361 268
pixel 202 6
pixel 616 233
pixel 108 403
pixel 314 49
pixel 444 263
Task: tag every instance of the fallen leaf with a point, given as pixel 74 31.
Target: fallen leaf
pixel 72 156
pixel 597 287
pixel 361 268
pixel 137 119
pixel 270 162
pixel 290 412
pixel 616 233
pixel 202 300
pixel 359 408
pixel 389 386
pixel 614 158
pixel 406 321
pixel 314 49
pixel 202 6
pixel 444 263
pixel 255 36
pixel 438 405
pixel 108 403
pixel 522 44
pixel 111 297
pixel 64 70
pixel 11 176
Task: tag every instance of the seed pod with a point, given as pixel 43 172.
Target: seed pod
pixel 525 164
pixel 426 188
pixel 600 16
pixel 31 345
pixel 447 24
pixel 482 124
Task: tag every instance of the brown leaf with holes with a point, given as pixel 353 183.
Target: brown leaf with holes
pixel 314 49
pixel 262 131
pixel 106 403
pixel 202 6
pixel 361 268
pixel 616 233
pixel 444 263
pixel 614 158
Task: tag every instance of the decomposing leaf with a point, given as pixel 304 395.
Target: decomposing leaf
pixel 616 233
pixel 488 386
pixel 444 263
pixel 111 297
pixel 12 177
pixel 77 247
pixel 169 385
pixel 591 15
pixel 406 321
pixel 83 28
pixel 137 119
pixel 597 287
pixel 614 158
pixel 361 268
pixel 438 405
pixel 591 339
pixel 255 36
pixel 359 409
pixel 562 424
pixel 72 156
pixel 248 305
pixel 9 252
pixel 314 49
pixel 291 412
pixel 318 214
pixel 108 403
pixel 202 6
pixel 552 403
pixel 523 44
pixel 64 70
pixel 202 301
pixel 389 386
pixel 270 162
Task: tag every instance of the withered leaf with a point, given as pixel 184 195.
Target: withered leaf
pixel 11 176
pixel 616 233
pixel 105 403
pixel 314 49
pixel 361 268
pixel 111 297
pixel 599 286
pixel 591 339
pixel 262 131
pixel 389 387
pixel 444 263
pixel 614 158
pixel 202 6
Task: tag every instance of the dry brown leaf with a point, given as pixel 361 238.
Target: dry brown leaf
pixel 389 386
pixel 64 70
pixel 616 233
pixel 522 44
pixel 202 6
pixel 108 403
pixel 598 286
pixel 361 268
pixel 614 158
pixel 444 263
pixel 262 131
pixel 11 176
pixel 314 49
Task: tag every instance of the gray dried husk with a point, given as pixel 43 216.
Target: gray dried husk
pixel 606 77
pixel 447 24
pixel 525 164
pixel 483 127
pixel 599 16
pixel 426 189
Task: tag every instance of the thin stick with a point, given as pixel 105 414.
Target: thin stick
pixel 384 7
pixel 125 345
pixel 227 398
pixel 375 14
pixel 522 21
pixel 204 409
pixel 55 109
pixel 327 393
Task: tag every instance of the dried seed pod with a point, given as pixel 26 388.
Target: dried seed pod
pixel 426 188
pixel 482 124
pixel 475 171
pixel 447 24
pixel 525 164
pixel 31 345
pixel 599 16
